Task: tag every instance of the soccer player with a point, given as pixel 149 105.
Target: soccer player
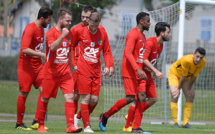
pixel 182 74
pixel 30 64
pixel 86 11
pixel 57 70
pixel 131 69
pixel 152 51
pixel 92 40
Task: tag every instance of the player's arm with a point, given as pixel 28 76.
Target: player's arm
pixel 129 48
pixel 106 54
pixel 31 52
pixel 75 40
pixel 56 44
pixel 151 67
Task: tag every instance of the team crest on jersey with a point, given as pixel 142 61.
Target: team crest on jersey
pixel 196 68
pixel 100 42
pixel 64 44
pixel 157 56
pixel 69 41
pixel 92 44
pixel 41 39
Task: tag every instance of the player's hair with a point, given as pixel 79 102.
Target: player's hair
pixel 87 8
pixel 201 51
pixel 63 11
pixel 44 12
pixel 95 17
pixel 161 27
pixel 141 16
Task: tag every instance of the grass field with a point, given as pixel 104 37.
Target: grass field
pixel 59 128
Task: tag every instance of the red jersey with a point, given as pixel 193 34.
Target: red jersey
pixel 77 48
pixel 91 45
pixel 33 38
pixel 57 62
pixel 152 51
pixel 133 54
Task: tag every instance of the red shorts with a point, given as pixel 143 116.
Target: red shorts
pixel 150 87
pixel 133 86
pixel 75 79
pixel 27 78
pixel 50 86
pixel 89 85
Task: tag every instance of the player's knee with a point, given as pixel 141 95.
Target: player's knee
pixel 190 95
pixel 152 100
pixel 129 98
pixel 141 96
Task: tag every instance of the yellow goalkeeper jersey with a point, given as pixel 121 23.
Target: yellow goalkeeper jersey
pixel 186 67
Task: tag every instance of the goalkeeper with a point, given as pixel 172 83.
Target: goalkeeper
pixel 182 74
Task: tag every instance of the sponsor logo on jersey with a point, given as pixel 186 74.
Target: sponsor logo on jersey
pixel 100 42
pixel 62 54
pixel 92 44
pixel 64 44
pixel 90 54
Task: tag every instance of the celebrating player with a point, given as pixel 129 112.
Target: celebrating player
pixel 131 70
pixel 57 70
pixel 30 64
pixel 92 40
pixel 182 74
pixel 152 51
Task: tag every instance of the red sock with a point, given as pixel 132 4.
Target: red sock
pixel 115 108
pixel 79 115
pixel 76 105
pixel 91 108
pixel 85 112
pixel 38 103
pixel 42 112
pixel 20 109
pixel 69 112
pixel 145 106
pixel 138 115
pixel 130 119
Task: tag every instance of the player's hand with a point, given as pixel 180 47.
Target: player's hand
pixel 43 56
pixel 75 68
pixel 141 74
pixel 159 75
pixel 111 71
pixel 175 93
pixel 106 71
pixel 65 32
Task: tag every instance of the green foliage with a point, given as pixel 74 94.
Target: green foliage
pixel 76 10
pixel 8 68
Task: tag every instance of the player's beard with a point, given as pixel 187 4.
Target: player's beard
pixel 145 28
pixel 165 38
pixel 44 24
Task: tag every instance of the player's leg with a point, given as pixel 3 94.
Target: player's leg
pixel 25 80
pixel 76 93
pixel 173 81
pixel 189 95
pixel 130 118
pixel 85 87
pixel 129 86
pixel 67 87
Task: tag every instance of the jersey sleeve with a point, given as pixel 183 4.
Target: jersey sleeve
pixel 50 37
pixel 185 64
pixel 27 37
pixel 129 49
pixel 200 68
pixel 148 49
pixel 75 41
pixel 106 51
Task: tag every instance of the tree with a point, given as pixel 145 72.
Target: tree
pixel 76 8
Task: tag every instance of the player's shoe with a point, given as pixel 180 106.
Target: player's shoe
pixel 76 121
pixel 41 129
pixel 176 125
pixel 88 130
pixel 22 127
pixel 139 130
pixel 35 125
pixel 187 126
pixel 129 129
pixel 73 129
pixel 102 122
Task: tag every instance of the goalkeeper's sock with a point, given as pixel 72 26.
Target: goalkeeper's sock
pixel 130 117
pixel 187 112
pixel 138 115
pixel 174 109
pixel 115 108
pixel 20 108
